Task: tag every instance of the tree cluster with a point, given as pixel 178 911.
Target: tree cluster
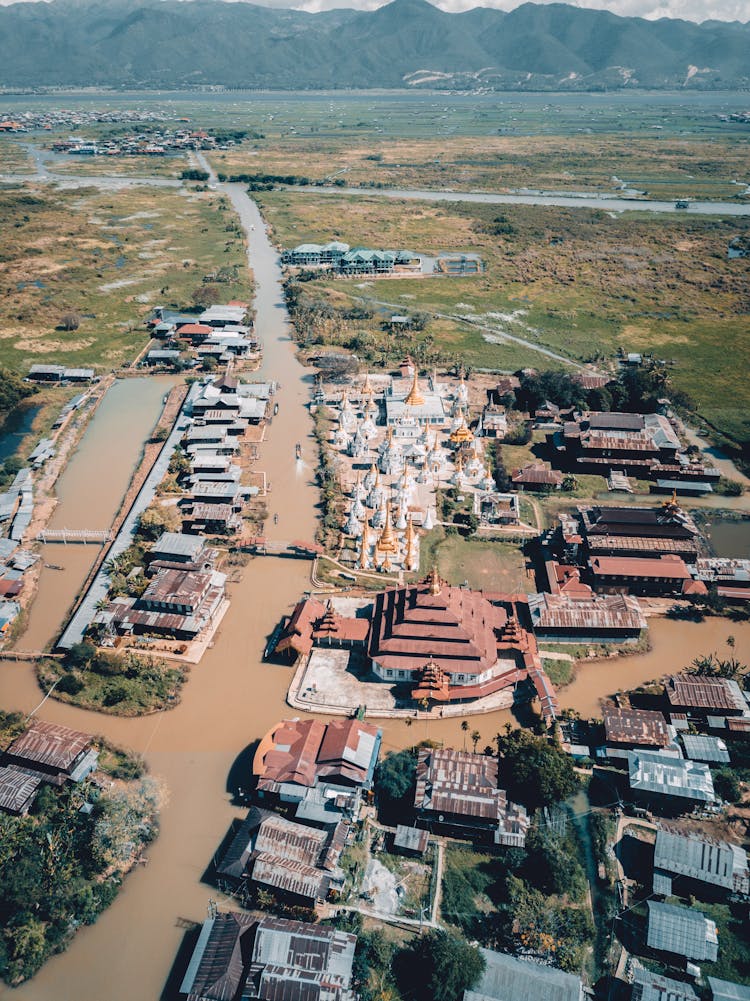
pixel 12 390
pixel 534 772
pixel 60 868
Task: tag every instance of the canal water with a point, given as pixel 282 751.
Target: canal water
pixel 232 698
pixel 89 493
pixel 17 425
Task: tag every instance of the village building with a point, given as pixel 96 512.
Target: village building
pixel 177 603
pixel 651 986
pixel 510 978
pixel 568 617
pixel 637 531
pixel 682 931
pixel 690 857
pixel 493 422
pixel 665 575
pixel 18 789
pixel 58 373
pixel 211 519
pixel 671 784
pixel 700 696
pixel 308 255
pixel 238 957
pixel 537 476
pixel 700 747
pixel 321 767
pixel 630 729
pixel 407 401
pixel 726 990
pixel 176 548
pixel 296 862
pixel 410 841
pixel 730 577
pixel 457 794
pixel 52 752
pixel 493 508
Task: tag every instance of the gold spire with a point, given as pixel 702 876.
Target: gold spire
pixel 387 562
pixel 363 546
pixel 415 398
pixel 410 537
pixel 462 434
pixel 366 386
pixel 435 582
pixel 387 542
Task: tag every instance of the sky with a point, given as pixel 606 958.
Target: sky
pixel 691 10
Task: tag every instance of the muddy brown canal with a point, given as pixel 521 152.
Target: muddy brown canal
pixel 231 697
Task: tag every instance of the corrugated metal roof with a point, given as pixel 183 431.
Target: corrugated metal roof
pixel 683 931
pixel 50 744
pixel 635 726
pixel 686 853
pixel 650 986
pixel 17 789
pixel 698 692
pixel 412 839
pixel 699 747
pixel 506 978
pixel 652 772
pixel 725 990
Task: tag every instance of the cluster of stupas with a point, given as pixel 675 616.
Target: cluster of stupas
pixel 399 444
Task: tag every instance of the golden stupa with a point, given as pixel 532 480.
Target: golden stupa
pixel 387 542
pixel 434 581
pixel 363 547
pixel 462 435
pixel 415 398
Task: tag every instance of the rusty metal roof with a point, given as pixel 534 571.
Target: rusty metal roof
pixel 697 692
pixel 635 726
pixel 49 744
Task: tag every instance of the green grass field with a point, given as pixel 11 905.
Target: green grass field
pixel 580 283
pixel 108 257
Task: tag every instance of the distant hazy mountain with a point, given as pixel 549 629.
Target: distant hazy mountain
pixel 164 43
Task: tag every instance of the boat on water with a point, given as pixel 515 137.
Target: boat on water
pixel 275 409
pixel 298 451
pixel 53 566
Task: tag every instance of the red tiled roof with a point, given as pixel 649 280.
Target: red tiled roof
pixel 455 627
pixel 303 751
pixel 671 566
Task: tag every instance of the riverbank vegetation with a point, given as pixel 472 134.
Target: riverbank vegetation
pixel 122 683
pixel 63 864
pixel 549 280
pixel 107 257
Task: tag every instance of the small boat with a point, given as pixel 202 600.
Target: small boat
pixel 275 409
pixel 53 566
pixel 298 450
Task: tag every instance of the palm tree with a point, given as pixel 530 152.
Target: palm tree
pixel 475 738
pixel 465 728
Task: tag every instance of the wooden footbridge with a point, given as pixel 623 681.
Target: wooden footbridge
pixel 84 536
pixel 275 547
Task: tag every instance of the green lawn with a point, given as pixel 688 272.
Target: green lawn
pixel 488 566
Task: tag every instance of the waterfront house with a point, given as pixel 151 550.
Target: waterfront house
pixel 177 603
pixel 690 857
pixel 630 729
pixel 568 617
pixel 174 547
pixel 457 794
pixel 683 932
pixel 53 752
pixel 297 862
pixel 320 767
pixel 638 531
pixel 700 697
pixel 239 958
pixel 212 519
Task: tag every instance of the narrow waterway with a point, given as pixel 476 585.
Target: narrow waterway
pixel 576 199
pixel 232 698
pixel 89 493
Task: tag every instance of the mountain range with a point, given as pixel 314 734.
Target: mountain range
pixel 407 43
